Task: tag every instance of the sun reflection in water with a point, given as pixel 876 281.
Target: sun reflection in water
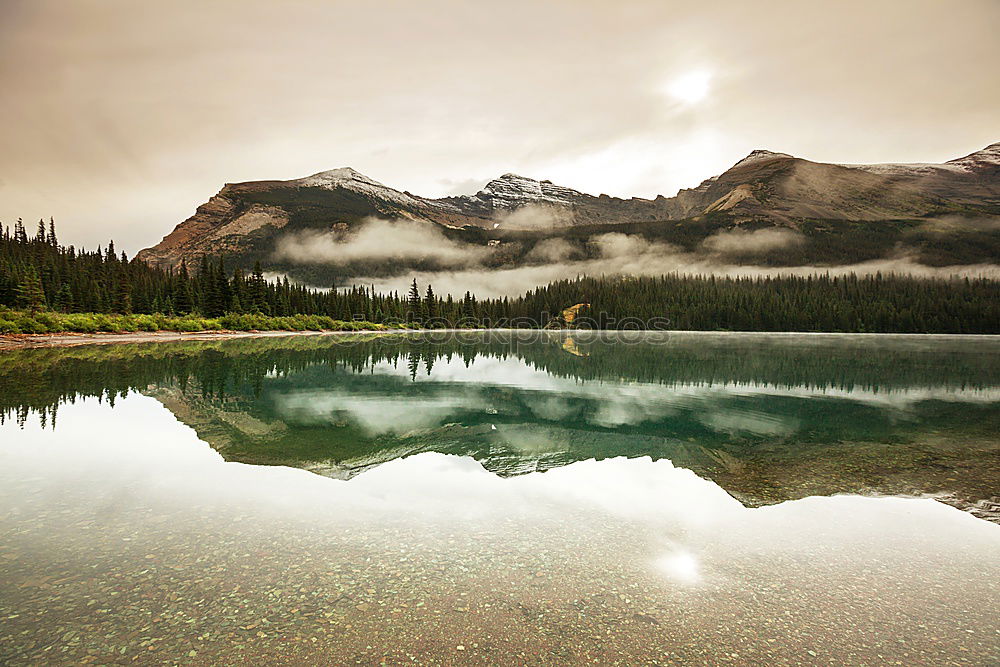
pixel 680 566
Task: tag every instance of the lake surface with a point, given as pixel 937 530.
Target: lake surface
pixel 503 498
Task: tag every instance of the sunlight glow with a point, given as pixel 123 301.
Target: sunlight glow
pixel 691 87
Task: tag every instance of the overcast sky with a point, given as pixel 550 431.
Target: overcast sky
pixel 119 117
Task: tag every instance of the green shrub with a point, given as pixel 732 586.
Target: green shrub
pixel 12 321
pixel 29 325
pixel 82 322
pixel 51 321
pixel 144 323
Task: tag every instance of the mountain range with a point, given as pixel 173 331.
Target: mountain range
pixel 939 214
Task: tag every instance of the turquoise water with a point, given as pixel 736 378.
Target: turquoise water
pixel 501 497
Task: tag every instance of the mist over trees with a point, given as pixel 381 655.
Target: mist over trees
pixel 37 273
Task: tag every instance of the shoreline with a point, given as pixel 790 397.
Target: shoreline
pixel 70 339
pixel 74 339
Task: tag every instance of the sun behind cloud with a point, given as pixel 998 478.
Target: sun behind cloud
pixel 690 87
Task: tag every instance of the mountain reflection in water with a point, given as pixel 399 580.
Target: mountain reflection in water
pixel 769 418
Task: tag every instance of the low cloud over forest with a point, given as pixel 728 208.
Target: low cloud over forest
pixel 390 253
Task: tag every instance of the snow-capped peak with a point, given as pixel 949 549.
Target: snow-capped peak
pixel 513 183
pixel 512 190
pixel 759 155
pixel 338 177
pixel 351 179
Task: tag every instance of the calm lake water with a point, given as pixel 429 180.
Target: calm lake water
pixel 502 498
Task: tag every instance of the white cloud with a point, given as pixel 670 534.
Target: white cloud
pixel 377 240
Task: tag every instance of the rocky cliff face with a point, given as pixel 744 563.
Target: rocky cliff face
pixel 248 215
pixel 767 187
pixel 782 187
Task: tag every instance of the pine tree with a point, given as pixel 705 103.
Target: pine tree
pixel 257 289
pixel 429 309
pixel 123 296
pixel 468 308
pixel 64 299
pixel 415 304
pixel 20 236
pixel 30 294
pixel 183 300
pixel 223 291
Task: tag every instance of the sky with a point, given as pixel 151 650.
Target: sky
pixel 120 117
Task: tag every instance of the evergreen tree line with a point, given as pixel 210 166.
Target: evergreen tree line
pixel 849 303
pixel 38 273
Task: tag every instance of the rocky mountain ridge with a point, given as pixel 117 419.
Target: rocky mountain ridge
pixel 765 187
